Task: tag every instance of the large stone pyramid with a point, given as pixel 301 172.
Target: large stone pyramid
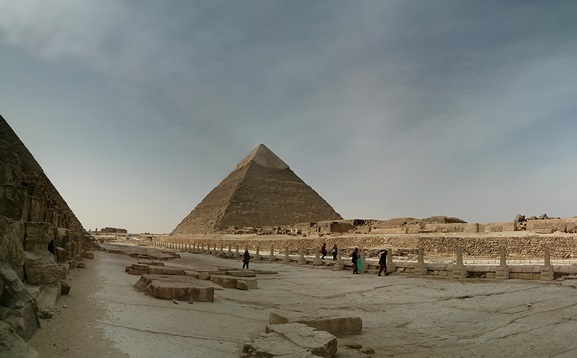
pixel 39 237
pixel 261 191
pixel 26 193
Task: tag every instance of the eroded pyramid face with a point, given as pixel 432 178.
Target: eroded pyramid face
pixel 261 191
pixel 21 177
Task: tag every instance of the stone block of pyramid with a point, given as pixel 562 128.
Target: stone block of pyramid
pixel 261 191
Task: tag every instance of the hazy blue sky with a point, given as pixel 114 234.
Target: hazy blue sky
pixel 137 109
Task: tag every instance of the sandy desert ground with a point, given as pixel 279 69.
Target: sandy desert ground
pixel 403 316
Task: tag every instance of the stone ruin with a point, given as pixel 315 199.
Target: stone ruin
pixel 40 241
pixel 287 334
pixel 261 191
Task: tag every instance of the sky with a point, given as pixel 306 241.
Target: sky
pixel 137 109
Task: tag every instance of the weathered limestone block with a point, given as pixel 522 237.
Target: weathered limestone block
pixel 65 288
pixel 40 268
pixel 241 273
pixel 227 282
pixel 502 273
pixel 87 255
pixel 319 343
pixel 11 244
pixel 459 271
pixel 192 273
pixel 420 269
pixel 339 326
pixel 164 270
pixel 151 263
pixel 271 345
pixel 231 281
pixel 251 282
pixel 13 345
pixel 241 285
pixel 38 236
pixel 21 316
pixel 60 254
pixel 203 276
pixel 13 202
pixel 184 288
pixel 60 236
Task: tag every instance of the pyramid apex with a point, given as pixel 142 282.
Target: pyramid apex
pixel 263 156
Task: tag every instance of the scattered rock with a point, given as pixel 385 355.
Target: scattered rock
pixel 339 326
pixel 354 345
pixel 292 340
pixel 241 285
pixel 13 345
pixel 163 270
pixel 203 276
pixel 137 269
pixel 81 265
pixel 87 255
pixel 65 288
pixel 45 313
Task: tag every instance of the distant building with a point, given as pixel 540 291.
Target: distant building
pixel 113 230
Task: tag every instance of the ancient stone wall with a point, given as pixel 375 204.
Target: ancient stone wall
pixel 519 246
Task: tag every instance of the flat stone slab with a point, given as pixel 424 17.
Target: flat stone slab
pixel 182 288
pixel 339 326
pixel 227 281
pixel 151 263
pixel 140 269
pixel 164 270
pixel 241 273
pixel 136 269
pixel 292 340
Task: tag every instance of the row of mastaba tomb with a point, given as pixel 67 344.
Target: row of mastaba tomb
pixel 40 241
pixel 432 225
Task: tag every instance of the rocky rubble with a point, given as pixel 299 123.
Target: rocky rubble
pixel 291 340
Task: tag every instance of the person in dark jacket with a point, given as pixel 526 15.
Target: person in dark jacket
pixel 245 259
pixel 355 259
pixel 383 262
pixel 334 251
pixel 323 250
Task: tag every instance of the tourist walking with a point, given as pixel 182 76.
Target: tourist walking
pixel 334 251
pixel 355 259
pixel 383 262
pixel 245 259
pixel 323 250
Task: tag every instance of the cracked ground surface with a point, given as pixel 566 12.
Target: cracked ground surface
pixel 403 316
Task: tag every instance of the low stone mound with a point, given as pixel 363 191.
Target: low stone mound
pixel 181 288
pixel 339 326
pixel 293 340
